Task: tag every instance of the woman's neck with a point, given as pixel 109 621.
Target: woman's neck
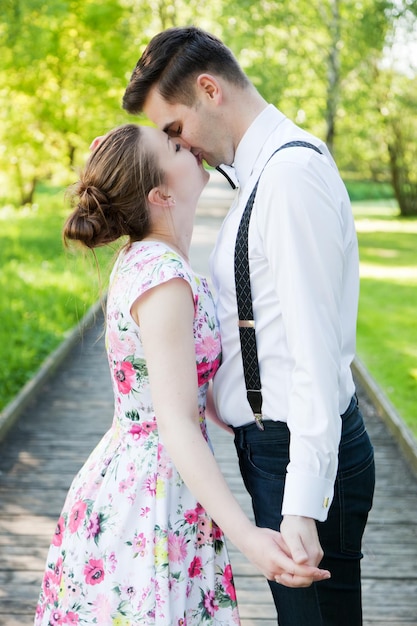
pixel 181 247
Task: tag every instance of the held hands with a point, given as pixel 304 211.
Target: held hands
pixel 301 538
pixel 267 550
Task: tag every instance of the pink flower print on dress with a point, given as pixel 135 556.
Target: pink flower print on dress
pixel 139 545
pixel 177 547
pixel 49 587
pixel 40 610
pixel 144 512
pixel 208 347
pixel 204 371
pixel 112 562
pixel 149 427
pixel 194 569
pixel 102 609
pixel 119 348
pixel 139 430
pixel 72 619
pixel 125 376
pixel 94 572
pixel 229 586
pixel 93 526
pixel 204 530
pixel 59 566
pixel 136 431
pixel 72 591
pixel 150 485
pixel 127 591
pixel 164 463
pixel 57 618
pixel 209 603
pixel 77 515
pixel 57 540
pixel 217 532
pixel 191 516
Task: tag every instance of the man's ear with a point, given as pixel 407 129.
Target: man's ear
pixel 210 86
pixel 157 197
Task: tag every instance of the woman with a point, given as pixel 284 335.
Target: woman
pixel 136 542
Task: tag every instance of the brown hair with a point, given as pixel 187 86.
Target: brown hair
pixel 173 59
pixel 110 198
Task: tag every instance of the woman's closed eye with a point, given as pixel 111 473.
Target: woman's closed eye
pixel 177 147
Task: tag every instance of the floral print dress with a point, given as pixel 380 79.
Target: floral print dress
pixel 132 545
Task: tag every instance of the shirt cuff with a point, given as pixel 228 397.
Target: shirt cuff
pixel 309 496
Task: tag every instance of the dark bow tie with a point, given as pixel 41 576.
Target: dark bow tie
pixel 227 177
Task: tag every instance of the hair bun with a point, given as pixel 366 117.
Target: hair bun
pixel 92 199
pixel 89 222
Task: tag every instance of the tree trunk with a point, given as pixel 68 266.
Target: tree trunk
pixel 333 74
pixel 405 190
pixel 26 187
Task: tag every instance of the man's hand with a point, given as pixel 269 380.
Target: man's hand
pixel 301 539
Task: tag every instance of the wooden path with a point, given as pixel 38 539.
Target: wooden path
pixel 55 433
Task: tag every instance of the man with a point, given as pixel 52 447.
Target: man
pixel 310 471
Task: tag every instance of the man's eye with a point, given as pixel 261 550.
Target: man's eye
pixel 177 147
pixel 178 131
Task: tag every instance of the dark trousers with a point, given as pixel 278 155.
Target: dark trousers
pixel 263 458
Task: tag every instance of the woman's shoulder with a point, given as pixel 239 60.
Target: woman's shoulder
pixel 154 262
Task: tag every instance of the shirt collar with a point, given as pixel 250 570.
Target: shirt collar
pixel 254 140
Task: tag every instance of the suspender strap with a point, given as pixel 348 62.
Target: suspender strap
pixel 244 300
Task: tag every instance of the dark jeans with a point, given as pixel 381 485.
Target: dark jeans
pixel 263 458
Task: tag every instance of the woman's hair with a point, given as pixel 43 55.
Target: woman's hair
pixel 110 199
pixel 172 60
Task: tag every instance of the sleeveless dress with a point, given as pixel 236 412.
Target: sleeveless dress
pixel 132 545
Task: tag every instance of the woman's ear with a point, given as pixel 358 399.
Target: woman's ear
pixel 159 198
pixel 96 142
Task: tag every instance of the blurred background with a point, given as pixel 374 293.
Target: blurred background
pixel 343 69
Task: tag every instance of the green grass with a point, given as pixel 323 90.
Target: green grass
pixel 45 290
pixel 360 190
pixel 387 328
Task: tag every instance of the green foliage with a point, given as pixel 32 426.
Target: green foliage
pixel 45 290
pixel 65 65
pixel 398 110
pixel 387 332
pixel 60 85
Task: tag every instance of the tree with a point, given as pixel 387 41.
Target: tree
pixel 60 84
pixel 396 101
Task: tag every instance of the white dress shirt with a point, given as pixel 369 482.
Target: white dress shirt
pixel 304 267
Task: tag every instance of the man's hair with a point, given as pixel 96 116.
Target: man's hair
pixel 172 60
